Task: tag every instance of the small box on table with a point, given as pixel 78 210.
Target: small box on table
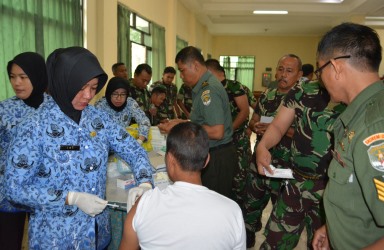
pixel 126 182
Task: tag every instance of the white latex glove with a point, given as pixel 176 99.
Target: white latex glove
pixel 135 193
pixel 88 203
pixel 139 141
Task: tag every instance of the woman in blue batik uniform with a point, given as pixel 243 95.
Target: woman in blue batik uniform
pixel 57 161
pixel 123 108
pixel 28 76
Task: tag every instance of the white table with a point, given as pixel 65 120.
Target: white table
pixel 113 193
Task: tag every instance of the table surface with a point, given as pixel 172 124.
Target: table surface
pixel 116 194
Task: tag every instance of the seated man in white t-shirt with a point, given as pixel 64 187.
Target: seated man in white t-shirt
pixel 185 215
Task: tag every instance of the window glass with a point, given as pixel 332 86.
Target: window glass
pixel 239 68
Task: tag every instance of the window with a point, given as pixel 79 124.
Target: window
pixel 239 68
pixel 180 44
pixel 40 26
pixel 140 41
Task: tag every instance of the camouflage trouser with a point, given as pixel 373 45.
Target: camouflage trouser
pixel 259 190
pixel 298 205
pixel 243 149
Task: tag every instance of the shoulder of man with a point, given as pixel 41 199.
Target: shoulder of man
pixel 374 109
pixel 235 86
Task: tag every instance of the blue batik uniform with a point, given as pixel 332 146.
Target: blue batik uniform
pixel 12 112
pixel 52 155
pixel 124 117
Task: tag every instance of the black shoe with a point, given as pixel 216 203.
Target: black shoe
pixel 251 238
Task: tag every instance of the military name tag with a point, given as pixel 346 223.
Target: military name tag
pixel 70 147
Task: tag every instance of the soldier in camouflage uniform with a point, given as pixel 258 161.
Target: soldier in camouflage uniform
pixel 138 86
pixel 184 100
pixel 239 106
pixel 158 97
pixel 260 188
pixel 251 98
pixel 299 202
pixel 169 106
pixel 120 70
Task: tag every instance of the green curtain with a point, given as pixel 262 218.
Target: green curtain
pixel 40 26
pixel 180 44
pixel 123 37
pixel 245 70
pixel 227 65
pixel 158 51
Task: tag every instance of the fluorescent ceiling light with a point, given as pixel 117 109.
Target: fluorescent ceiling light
pixel 331 1
pixel 270 12
pixel 374 18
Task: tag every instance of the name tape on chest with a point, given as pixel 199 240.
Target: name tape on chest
pixel 70 147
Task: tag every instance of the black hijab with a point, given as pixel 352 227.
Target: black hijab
pixel 33 65
pixel 113 84
pixel 69 69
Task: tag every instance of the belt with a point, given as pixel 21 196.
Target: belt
pixel 308 177
pixel 220 146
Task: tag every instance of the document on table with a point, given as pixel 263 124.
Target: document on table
pixel 266 119
pixel 284 173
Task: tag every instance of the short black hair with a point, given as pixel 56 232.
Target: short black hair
pixel 189 54
pixel 143 67
pixel 116 65
pixel 214 64
pixel 307 69
pixel 361 42
pixel 188 142
pixel 169 69
pixel 159 90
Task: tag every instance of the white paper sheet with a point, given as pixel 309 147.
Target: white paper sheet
pixel 285 173
pixel 266 119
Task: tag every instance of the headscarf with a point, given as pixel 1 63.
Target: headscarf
pixel 33 65
pixel 69 69
pixel 113 84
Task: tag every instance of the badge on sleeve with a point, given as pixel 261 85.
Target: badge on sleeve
pixel 372 138
pixel 376 156
pixel 379 184
pixel 206 97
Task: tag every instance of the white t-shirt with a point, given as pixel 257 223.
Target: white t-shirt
pixel 187 216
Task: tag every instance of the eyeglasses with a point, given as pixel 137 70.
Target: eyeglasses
pixel 116 95
pixel 319 70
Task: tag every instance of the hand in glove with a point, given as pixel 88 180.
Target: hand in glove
pixel 88 203
pixel 135 193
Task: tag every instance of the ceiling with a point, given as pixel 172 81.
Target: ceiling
pixel 305 17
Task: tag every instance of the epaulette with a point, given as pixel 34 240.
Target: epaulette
pixel 375 109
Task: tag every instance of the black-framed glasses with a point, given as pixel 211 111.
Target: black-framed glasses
pixel 319 70
pixel 116 95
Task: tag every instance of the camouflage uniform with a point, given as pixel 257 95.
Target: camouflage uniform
pixel 161 114
pixel 141 96
pixel 299 202
pixel 185 95
pixel 251 98
pixel 260 188
pixel 241 141
pixel 168 105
